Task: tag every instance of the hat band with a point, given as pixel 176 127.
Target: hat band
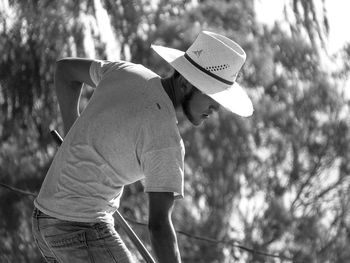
pixel 207 71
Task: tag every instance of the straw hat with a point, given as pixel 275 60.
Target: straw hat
pixel 211 64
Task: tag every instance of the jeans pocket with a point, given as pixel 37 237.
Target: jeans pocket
pixel 76 239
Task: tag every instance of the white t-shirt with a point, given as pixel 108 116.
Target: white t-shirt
pixel 127 132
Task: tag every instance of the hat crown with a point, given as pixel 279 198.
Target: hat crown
pixel 211 64
pixel 217 54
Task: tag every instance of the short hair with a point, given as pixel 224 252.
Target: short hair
pixel 176 74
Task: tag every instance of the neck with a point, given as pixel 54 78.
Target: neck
pixel 170 88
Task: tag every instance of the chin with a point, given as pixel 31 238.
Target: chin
pixel 189 115
pixel 195 122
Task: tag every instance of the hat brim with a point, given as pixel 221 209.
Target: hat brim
pixel 232 97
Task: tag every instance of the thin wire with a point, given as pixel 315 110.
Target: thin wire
pixel 14 189
pixel 201 238
pixel 226 242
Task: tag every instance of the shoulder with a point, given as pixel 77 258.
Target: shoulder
pixel 104 68
pixel 140 70
pixel 159 129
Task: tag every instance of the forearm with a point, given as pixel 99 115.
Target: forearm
pixel 68 95
pixel 164 243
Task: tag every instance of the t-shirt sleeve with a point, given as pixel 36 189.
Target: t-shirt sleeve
pixel 162 158
pixel 164 171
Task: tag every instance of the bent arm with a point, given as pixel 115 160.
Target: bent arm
pixel 162 232
pixel 70 75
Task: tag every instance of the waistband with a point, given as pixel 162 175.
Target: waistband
pixel 37 214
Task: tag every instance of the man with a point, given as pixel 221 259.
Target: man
pixel 128 132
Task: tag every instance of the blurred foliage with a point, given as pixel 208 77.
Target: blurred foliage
pixel 311 16
pixel 277 182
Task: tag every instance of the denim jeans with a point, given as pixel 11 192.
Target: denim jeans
pixel 66 241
